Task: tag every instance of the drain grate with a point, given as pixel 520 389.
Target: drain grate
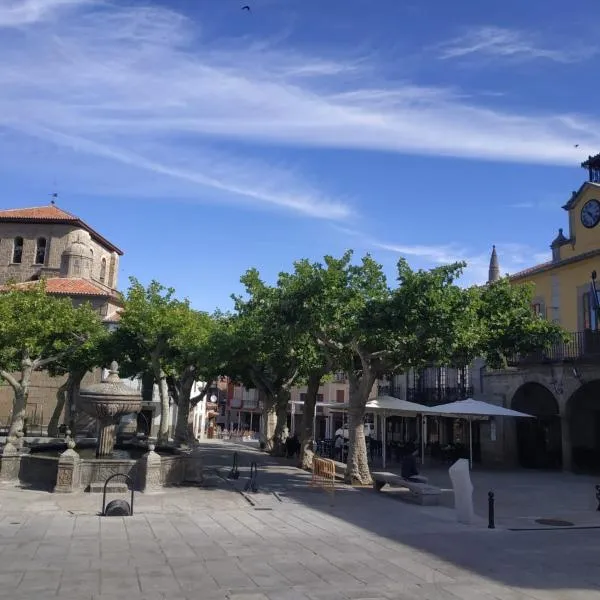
pixel 555 522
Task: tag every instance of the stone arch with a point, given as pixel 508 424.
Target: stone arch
pixel 539 440
pixel 583 420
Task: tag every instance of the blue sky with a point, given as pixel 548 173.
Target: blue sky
pixel 204 140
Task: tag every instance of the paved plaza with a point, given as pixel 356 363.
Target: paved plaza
pixel 287 542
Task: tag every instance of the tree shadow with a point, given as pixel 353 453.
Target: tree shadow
pixel 545 559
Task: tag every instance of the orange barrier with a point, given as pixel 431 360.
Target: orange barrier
pixel 323 475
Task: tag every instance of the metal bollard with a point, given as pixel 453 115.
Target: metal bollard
pixel 234 473
pixel 598 496
pixel 251 484
pixel 491 523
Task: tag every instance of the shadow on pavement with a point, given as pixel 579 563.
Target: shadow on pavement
pixel 553 560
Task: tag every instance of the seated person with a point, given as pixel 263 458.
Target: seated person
pixel 292 446
pixel 409 465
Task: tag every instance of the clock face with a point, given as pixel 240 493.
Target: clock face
pixel 590 214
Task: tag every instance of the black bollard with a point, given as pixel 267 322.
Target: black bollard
pixel 491 523
pixel 598 496
pixel 251 484
pixel 234 473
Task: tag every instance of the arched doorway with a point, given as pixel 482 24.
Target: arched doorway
pixel 583 410
pixel 539 441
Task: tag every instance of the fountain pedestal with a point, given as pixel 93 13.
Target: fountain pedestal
pixel 108 401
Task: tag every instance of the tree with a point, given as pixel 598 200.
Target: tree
pixel 372 330
pixel 37 330
pixel 192 359
pixel 508 325
pixel 305 309
pixel 264 352
pixel 96 351
pixel 152 317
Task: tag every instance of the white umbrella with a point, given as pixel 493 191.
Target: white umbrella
pixel 388 405
pixel 470 408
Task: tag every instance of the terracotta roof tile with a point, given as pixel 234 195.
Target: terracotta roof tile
pixel 530 270
pixel 50 212
pixel 67 286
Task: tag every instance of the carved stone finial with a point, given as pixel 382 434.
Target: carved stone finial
pixel 151 447
pixel 113 372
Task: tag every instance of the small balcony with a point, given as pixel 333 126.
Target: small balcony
pixel 430 396
pixel 581 346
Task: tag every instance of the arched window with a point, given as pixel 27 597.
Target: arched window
pixel 18 250
pixel 40 251
pixel 103 270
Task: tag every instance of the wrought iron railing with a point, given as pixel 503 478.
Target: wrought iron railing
pixel 429 396
pixel 579 346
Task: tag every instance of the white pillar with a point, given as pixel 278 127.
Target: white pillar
pixel 202 406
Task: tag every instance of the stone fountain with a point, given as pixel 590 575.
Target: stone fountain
pixel 108 401
pixel 62 466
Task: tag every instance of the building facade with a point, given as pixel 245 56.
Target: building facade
pixel 560 386
pixel 77 262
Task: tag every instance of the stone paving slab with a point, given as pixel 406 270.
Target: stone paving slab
pixel 214 545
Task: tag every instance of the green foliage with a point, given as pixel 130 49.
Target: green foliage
pixel 151 322
pixel 41 327
pixel 508 325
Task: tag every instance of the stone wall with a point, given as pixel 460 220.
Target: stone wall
pixel 58 237
pixel 42 399
pixel 500 387
pixel 38 472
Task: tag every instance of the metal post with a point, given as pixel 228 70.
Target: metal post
pixel 598 496
pixel 491 516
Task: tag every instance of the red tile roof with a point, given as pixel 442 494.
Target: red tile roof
pixel 39 213
pixel 531 270
pixel 67 286
pixel 52 214
pixel 547 266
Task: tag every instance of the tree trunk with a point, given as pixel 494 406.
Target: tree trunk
pixel 357 469
pixel 281 410
pixel 183 432
pixel 163 390
pixel 269 422
pixel 21 394
pixel 62 395
pixel 72 395
pixel 308 420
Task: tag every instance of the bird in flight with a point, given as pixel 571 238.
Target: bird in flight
pixel 576 145
pixel 246 7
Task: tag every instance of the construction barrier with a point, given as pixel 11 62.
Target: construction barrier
pixel 323 474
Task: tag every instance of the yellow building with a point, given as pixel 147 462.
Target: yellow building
pixel 560 386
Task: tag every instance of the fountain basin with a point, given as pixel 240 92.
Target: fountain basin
pixel 42 467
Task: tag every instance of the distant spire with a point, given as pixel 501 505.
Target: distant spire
pixel 494 272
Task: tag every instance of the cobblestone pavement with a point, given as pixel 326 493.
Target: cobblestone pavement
pixel 287 542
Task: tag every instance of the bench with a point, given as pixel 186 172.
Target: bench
pixel 419 492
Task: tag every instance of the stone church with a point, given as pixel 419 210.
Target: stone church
pixel 48 242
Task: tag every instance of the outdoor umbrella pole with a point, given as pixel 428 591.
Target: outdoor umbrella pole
pixel 384 441
pixel 471 442
pixel 423 417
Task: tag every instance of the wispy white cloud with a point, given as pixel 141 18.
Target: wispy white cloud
pixel 141 86
pixel 22 12
pixel 509 43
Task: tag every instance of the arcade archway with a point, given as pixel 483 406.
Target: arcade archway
pixel 539 441
pixel 583 410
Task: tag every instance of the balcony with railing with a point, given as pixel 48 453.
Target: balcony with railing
pixel 430 396
pixel 580 346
